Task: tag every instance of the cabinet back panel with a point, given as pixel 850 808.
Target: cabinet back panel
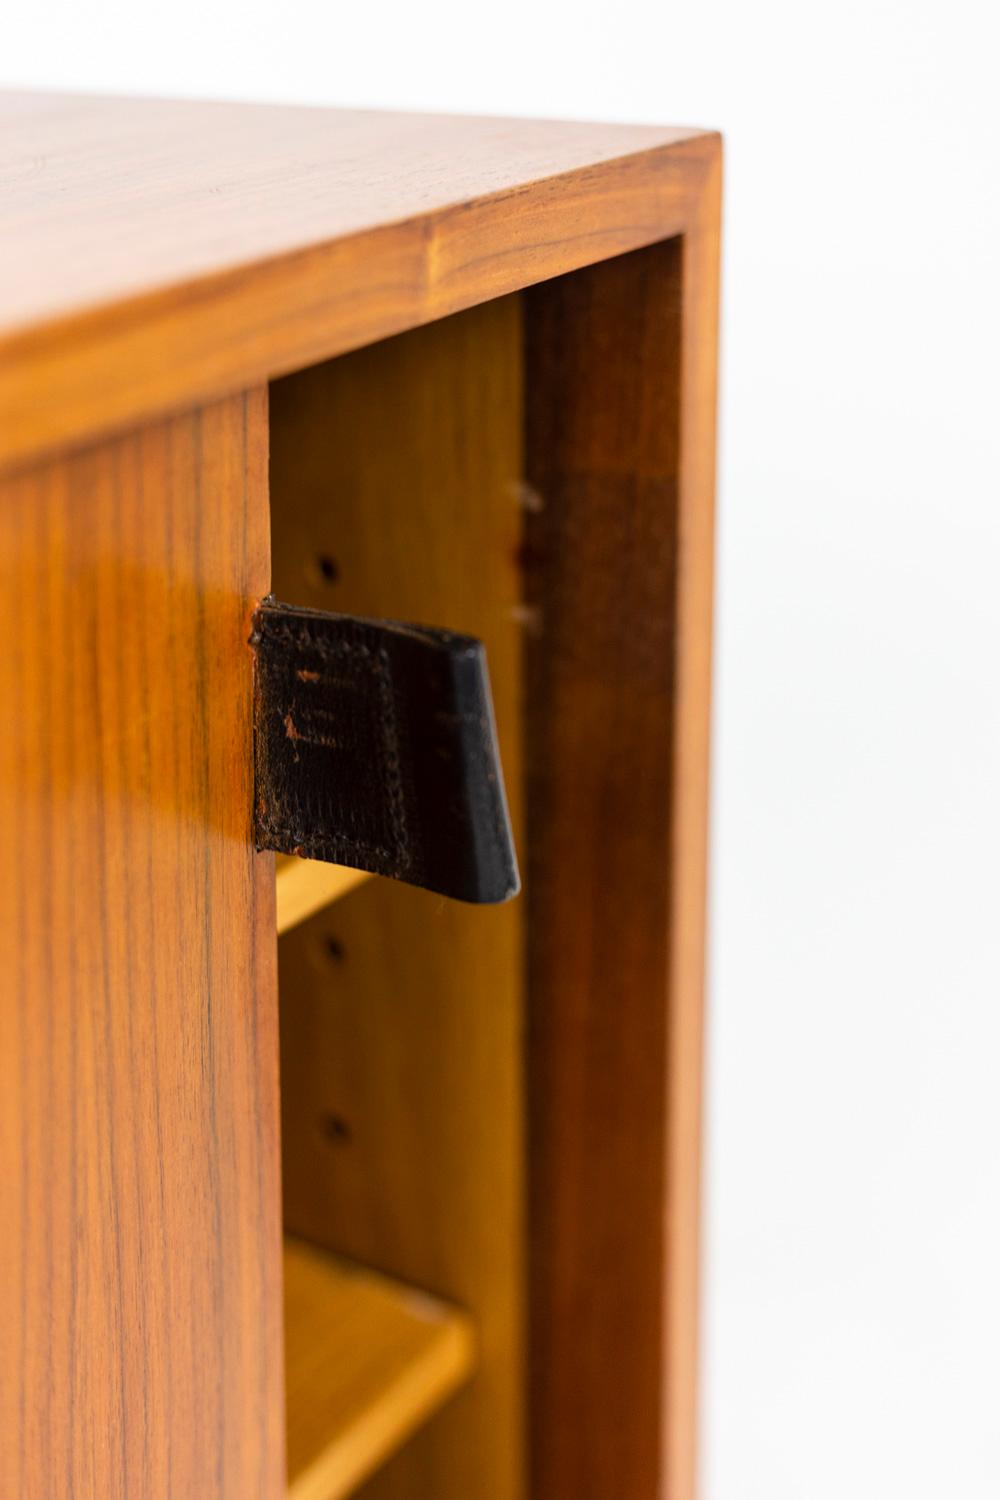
pixel 394 485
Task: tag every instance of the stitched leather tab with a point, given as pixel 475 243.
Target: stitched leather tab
pixel 375 747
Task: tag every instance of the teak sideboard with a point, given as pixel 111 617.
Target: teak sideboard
pixel 427 1229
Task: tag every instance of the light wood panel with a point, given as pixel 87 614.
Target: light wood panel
pixel 158 253
pixel 620 449
pixel 140 1324
pixel 367 1360
pixel 304 886
pixel 395 493
pixel 689 797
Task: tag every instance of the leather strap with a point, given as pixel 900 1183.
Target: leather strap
pixel 375 747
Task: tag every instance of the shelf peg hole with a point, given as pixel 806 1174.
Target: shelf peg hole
pixel 327 568
pixel 335 1128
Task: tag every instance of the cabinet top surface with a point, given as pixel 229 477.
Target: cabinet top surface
pixel 158 254
pixel 107 198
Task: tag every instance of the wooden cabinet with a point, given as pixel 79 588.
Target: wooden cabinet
pixel 441 1243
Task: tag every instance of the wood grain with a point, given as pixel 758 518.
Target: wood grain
pixel 215 244
pixel 689 795
pixel 140 1332
pixel 395 493
pixel 157 257
pixel 367 1361
pixel 620 448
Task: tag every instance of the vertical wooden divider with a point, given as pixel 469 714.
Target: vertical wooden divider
pixel 394 482
pixel 620 442
pixel 140 1294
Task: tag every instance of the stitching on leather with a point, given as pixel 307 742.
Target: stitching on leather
pixel 378 663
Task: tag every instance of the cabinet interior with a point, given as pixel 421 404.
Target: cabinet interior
pixel 396 491
pixel 498 1171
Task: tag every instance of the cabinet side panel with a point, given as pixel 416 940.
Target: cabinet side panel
pixel 139 1190
pixel 395 493
pixel 617 672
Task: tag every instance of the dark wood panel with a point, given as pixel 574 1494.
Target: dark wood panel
pixel 619 374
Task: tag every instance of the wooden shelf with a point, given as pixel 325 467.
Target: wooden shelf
pixel 367 1360
pixel 304 886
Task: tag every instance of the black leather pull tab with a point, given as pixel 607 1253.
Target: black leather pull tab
pixel 375 747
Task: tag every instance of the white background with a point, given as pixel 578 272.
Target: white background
pixel 853 1217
